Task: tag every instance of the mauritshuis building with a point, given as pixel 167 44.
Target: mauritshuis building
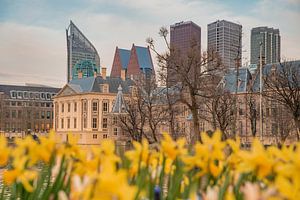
pixel 81 53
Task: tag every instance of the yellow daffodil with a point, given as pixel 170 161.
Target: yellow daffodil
pixel 4 151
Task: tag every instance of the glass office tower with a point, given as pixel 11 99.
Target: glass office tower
pixel 79 49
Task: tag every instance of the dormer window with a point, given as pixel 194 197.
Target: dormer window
pixel 13 94
pixel 104 88
pixel 20 95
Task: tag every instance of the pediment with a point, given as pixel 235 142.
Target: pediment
pixel 67 90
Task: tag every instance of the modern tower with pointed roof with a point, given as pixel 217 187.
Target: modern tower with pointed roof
pixel 80 50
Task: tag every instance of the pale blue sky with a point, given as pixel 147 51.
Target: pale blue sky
pixel 32 32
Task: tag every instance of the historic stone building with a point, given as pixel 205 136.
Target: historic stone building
pixel 26 109
pixel 84 108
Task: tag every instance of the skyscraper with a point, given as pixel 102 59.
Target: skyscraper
pixel 80 49
pixel 182 36
pixel 225 38
pixel 270 40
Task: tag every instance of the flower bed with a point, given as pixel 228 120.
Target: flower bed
pixel 213 169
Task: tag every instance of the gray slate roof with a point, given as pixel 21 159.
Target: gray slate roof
pixel 230 80
pixel 267 69
pixel 7 88
pixel 92 84
pixel 120 105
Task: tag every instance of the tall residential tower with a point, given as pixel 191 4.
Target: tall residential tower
pixel 82 55
pixel 270 40
pixel 225 38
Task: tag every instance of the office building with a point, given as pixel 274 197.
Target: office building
pixel 225 38
pixel 270 40
pixel 26 109
pixel 82 55
pixel 182 36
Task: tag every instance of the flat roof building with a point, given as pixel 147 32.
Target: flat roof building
pixel 225 38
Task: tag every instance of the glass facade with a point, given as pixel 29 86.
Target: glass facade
pixel 225 38
pixel 270 40
pixel 79 49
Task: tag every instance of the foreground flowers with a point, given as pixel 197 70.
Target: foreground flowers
pixel 213 169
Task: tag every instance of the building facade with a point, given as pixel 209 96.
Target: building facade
pixel 183 36
pixel 26 109
pixel 225 38
pixel 270 40
pixel 84 108
pixel 80 49
pixel 133 62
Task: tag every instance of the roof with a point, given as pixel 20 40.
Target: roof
pixel 92 84
pixel 267 69
pixel 144 57
pixel 124 56
pixel 7 88
pixel 229 80
pixel 119 106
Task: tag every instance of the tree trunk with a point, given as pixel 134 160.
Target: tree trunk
pixel 297 122
pixel 196 129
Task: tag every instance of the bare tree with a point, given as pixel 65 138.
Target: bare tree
pixel 144 112
pixel 218 110
pixel 252 113
pixel 282 84
pixel 191 72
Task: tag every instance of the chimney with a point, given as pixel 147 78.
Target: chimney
pixel 103 72
pixel 123 74
pixel 79 74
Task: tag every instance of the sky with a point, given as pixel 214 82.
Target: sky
pixel 33 45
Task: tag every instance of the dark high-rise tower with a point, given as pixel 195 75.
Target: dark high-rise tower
pixel 270 40
pixel 225 38
pixel 182 36
pixel 79 51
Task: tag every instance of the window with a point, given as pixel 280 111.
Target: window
pixel 20 95
pixel 48 114
pixel 104 136
pixel 31 96
pixel 115 120
pixel 37 95
pixel 69 107
pixel 75 123
pixel 241 128
pixel 62 107
pixel 105 107
pixel 48 105
pixel 95 106
pixel 13 103
pixel 37 115
pixel 115 131
pixel 68 122
pixel 104 123
pixel 19 114
pixel 84 122
pixel 43 104
pixel 241 111
pixel 75 107
pixel 13 114
pixel 43 95
pixel 13 94
pixel 62 123
pixel 43 114
pixel 48 96
pixel 26 95
pixel 94 123
pixel 84 106
pixel 95 136
pixel 19 103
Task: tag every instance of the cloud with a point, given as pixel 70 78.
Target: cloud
pixel 34 44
